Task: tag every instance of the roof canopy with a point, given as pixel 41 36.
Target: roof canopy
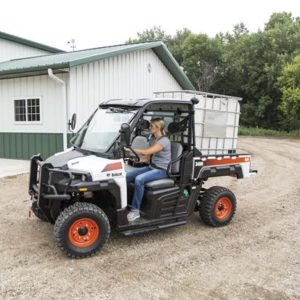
pixel 39 65
pixel 19 40
pixel 142 102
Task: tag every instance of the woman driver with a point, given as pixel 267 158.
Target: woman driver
pixel 160 153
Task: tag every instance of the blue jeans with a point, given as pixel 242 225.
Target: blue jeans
pixel 140 176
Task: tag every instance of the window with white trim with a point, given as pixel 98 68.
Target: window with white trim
pixel 28 110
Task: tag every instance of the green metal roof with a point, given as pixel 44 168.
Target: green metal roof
pixel 40 64
pixel 29 43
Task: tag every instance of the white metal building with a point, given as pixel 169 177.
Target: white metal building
pixel 13 47
pixel 38 95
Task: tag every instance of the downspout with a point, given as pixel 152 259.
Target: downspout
pixel 64 108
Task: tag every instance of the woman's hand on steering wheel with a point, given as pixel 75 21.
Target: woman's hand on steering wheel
pixel 132 154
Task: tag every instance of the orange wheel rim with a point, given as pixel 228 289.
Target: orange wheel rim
pixel 223 208
pixel 84 232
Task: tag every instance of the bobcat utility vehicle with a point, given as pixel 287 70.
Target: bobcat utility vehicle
pixel 83 190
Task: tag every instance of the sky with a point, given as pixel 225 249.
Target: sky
pixel 96 23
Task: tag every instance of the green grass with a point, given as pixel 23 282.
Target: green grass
pixel 267 132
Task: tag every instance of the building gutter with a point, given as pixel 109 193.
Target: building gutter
pixel 65 116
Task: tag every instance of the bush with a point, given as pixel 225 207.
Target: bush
pixel 267 132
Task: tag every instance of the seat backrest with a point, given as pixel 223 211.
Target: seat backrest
pixel 140 142
pixel 176 151
pixel 173 128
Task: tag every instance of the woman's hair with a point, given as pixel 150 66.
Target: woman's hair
pixel 159 122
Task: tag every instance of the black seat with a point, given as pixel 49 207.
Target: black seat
pixel 160 183
pixel 173 169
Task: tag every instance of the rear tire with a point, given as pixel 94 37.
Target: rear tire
pixel 217 206
pixel 37 212
pixel 81 230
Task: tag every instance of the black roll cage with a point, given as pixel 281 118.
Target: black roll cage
pixel 190 111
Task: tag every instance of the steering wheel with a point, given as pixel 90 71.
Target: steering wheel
pixel 134 157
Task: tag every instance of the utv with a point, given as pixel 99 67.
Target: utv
pixel 83 190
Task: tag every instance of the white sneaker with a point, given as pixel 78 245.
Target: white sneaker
pixel 133 215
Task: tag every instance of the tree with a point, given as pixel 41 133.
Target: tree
pixel 201 60
pixel 155 33
pixel 240 30
pixel 232 64
pixel 253 62
pixel 289 85
pixel 174 43
pixel 242 64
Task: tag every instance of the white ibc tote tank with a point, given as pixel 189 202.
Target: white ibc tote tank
pixel 216 120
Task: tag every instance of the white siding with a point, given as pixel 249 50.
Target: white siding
pixel 11 50
pixel 37 86
pixel 124 76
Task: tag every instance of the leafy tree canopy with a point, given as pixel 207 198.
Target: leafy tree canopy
pixel 260 66
pixel 289 85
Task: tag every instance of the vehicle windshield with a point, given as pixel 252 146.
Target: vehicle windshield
pixel 102 129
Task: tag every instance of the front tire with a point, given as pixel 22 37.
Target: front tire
pixel 81 230
pixel 217 206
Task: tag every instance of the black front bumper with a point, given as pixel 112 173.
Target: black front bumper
pixel 35 163
pixel 42 180
pixel 42 188
pixel 49 186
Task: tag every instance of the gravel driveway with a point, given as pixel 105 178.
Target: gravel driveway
pixel 257 256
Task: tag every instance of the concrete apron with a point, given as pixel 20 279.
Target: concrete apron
pixel 11 167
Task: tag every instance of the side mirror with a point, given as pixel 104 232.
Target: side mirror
pixel 125 135
pixel 72 122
